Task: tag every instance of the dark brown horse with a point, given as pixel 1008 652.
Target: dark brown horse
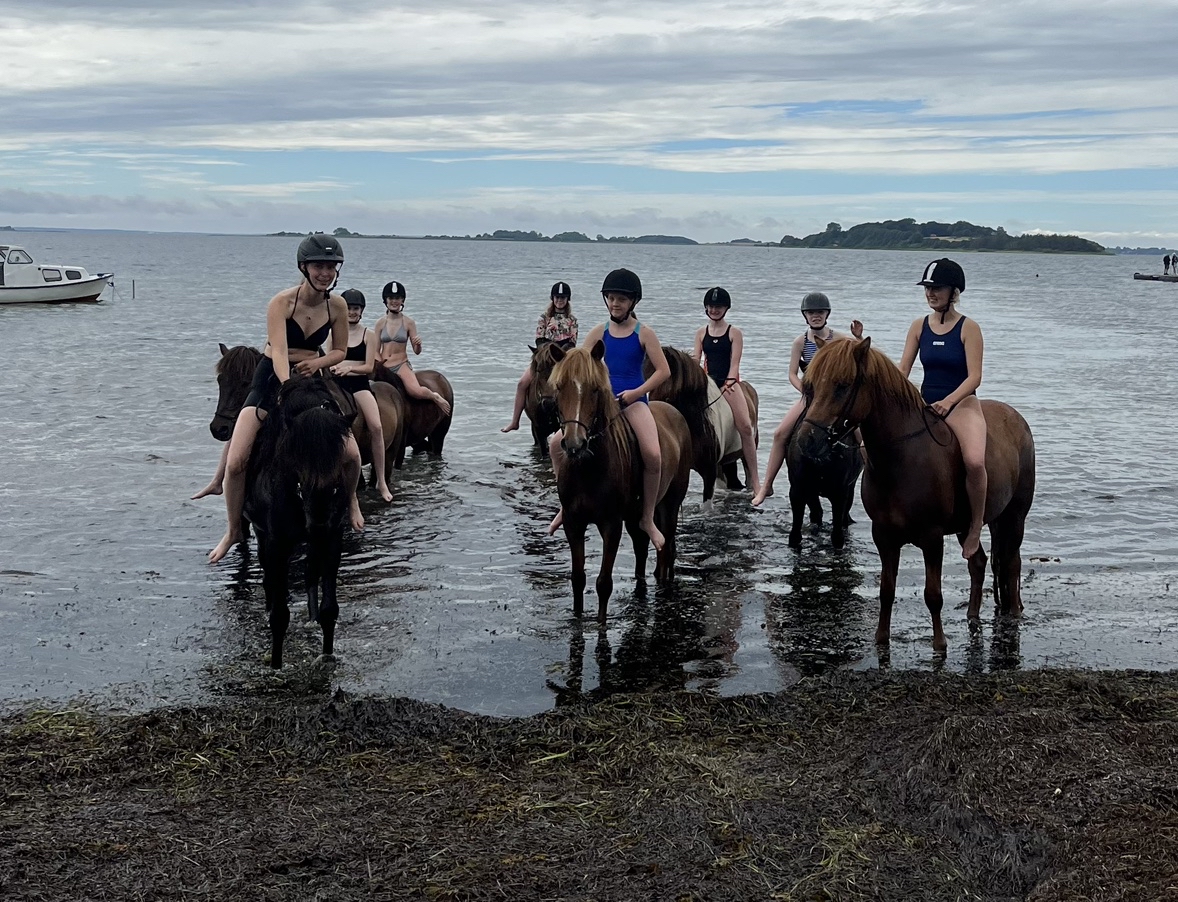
pixel 425 424
pixel 539 402
pixel 297 491
pixel 715 439
pixel 914 483
pixel 599 473
pixel 832 477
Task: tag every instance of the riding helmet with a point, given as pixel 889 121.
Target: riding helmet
pixel 623 281
pixel 320 248
pixel 353 297
pixel 392 290
pixel 943 272
pixel 717 297
pixel 561 290
pixel 814 301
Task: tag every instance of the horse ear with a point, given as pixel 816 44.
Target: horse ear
pixel 224 350
pixel 863 350
pixel 530 348
pixel 557 353
pixel 598 350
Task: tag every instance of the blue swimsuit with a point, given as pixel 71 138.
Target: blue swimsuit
pixel 943 360
pixel 623 359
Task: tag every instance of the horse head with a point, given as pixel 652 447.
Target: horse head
pixel 314 426
pixel 585 401
pixel 235 371
pixel 836 401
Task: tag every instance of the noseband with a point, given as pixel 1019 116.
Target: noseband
pixel 841 426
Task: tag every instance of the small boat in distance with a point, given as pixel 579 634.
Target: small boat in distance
pixel 1151 277
pixel 24 282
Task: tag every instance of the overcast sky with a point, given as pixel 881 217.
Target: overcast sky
pixel 708 119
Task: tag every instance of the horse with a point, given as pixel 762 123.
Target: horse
pixel 235 372
pixel 833 477
pixel 539 403
pixel 715 438
pixel 914 484
pixel 297 489
pixel 599 475
pixel 425 424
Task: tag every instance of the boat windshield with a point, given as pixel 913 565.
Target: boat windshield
pixel 15 255
pixel 3 253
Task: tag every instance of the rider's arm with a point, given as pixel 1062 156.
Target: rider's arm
pixel 337 312
pixel 540 325
pixel 911 347
pixel 276 312
pixel 654 351
pixel 594 336
pixel 697 349
pixel 411 332
pixel 737 351
pixel 795 361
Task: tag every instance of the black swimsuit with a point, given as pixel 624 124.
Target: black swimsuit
pixel 718 353
pixel 358 353
pixel 265 384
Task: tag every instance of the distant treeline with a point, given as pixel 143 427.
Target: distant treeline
pixel 903 234
pixel 512 235
pixel 1149 251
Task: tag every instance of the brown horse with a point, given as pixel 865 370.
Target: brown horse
pixel 715 438
pixel 425 424
pixel 914 483
pixel 539 403
pixel 599 473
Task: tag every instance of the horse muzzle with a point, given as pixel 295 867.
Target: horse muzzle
pixel 221 429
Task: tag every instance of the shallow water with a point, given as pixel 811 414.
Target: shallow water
pixel 454 594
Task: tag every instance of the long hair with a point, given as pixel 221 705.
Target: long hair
pixel 550 310
pixel 839 362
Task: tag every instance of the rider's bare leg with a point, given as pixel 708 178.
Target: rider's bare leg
pixel 744 425
pixel 352 469
pixel 777 451
pixel 969 425
pixel 215 486
pixel 366 401
pixel 521 394
pixel 557 460
pixel 646 430
pixel 245 430
pixel 419 391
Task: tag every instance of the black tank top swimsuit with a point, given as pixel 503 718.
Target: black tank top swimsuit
pixel 358 353
pixel 718 353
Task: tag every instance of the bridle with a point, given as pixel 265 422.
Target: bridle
pixel 591 433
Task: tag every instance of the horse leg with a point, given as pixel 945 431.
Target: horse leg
pixel 732 476
pixel 840 512
pixel 889 561
pixel 641 543
pixel 1006 540
pixel 329 557
pixel 275 558
pixel 667 518
pixel 934 556
pixel 977 581
pixel 797 503
pixel 611 537
pixel 575 535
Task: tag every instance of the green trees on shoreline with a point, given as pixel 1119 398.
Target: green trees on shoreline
pixel 904 234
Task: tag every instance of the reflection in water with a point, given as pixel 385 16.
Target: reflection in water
pixel 1004 646
pixel 819 623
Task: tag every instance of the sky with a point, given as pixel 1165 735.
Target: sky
pixel 714 120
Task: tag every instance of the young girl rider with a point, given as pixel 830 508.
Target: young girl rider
pixel 720 346
pixel 354 372
pixel 816 312
pixel 298 321
pixel 627 342
pixel 950 348
pixel 557 324
pixel 396 332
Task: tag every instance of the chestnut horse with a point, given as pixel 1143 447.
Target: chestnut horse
pixel 715 438
pixel 599 472
pixel 539 404
pixel 297 490
pixel 914 482
pixel 425 426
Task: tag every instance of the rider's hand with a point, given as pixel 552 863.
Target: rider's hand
pixel 942 408
pixel 857 329
pixel 305 367
pixel 628 397
pixel 416 344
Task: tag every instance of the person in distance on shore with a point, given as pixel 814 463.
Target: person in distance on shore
pixel 556 324
pixel 353 373
pixel 298 321
pixel 719 346
pixel 627 342
pixel 816 313
pixel 397 332
pixel 950 347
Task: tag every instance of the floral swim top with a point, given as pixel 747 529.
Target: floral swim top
pixel 558 327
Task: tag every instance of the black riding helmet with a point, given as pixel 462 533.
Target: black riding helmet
pixel 623 281
pixel 353 297
pixel 943 272
pixel 392 290
pixel 717 297
pixel 815 301
pixel 561 290
pixel 320 249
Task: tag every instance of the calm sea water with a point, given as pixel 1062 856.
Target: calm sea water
pixel 454 594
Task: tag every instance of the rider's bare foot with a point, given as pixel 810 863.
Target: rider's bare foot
pixel 227 541
pixel 556 523
pixel 510 427
pixel 356 517
pixel 971 545
pixel 213 488
pixel 762 494
pixel 442 403
pixel 656 537
pixel 385 493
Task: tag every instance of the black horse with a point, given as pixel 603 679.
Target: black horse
pixel 833 476
pixel 298 489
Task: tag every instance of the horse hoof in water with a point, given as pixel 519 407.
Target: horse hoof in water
pixel 325 659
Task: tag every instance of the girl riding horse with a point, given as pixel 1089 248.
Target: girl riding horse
pixel 558 325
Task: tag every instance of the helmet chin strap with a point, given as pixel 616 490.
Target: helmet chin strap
pixel 327 293
pixel 629 313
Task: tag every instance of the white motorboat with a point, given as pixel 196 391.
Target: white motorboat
pixel 24 282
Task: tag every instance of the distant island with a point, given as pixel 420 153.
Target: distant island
pixel 892 234
pixel 908 234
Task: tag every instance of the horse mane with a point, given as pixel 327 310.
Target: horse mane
pixel 306 433
pixel 837 362
pixel 687 391
pixel 579 366
pixel 238 364
pixel 544 357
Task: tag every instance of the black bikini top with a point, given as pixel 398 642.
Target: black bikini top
pixel 294 332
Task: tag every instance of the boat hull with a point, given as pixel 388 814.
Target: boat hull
pixel 1150 277
pixel 80 291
